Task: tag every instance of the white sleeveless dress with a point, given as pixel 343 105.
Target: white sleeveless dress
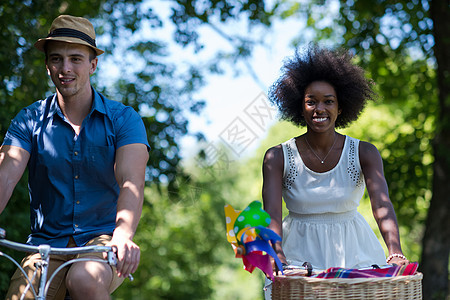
pixel 323 226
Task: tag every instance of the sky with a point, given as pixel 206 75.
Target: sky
pixel 237 112
pixel 237 106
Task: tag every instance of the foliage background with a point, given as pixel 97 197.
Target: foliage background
pixel 184 250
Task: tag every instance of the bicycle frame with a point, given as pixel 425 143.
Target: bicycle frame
pixel 45 251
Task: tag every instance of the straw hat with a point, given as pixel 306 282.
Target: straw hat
pixel 70 29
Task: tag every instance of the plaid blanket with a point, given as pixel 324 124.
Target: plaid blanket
pixel 390 271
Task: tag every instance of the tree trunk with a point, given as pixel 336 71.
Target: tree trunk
pixel 436 240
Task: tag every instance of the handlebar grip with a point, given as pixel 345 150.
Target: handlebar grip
pixel 2 233
pixel 112 260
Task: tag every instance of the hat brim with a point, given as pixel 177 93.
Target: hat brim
pixel 41 43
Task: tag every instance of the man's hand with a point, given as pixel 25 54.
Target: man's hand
pixel 128 255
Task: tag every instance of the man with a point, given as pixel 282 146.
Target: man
pixel 86 158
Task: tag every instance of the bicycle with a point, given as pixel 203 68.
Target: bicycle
pixel 45 251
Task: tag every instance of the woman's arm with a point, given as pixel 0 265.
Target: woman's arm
pixel 383 211
pixel 271 192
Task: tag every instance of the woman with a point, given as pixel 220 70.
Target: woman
pixel 322 174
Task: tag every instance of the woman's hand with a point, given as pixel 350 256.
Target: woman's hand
pixel 281 257
pixel 399 261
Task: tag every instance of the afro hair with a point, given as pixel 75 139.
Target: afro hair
pixel 335 67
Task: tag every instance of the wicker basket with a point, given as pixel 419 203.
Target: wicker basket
pixel 301 287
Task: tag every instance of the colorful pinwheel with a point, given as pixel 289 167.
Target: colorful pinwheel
pixel 249 236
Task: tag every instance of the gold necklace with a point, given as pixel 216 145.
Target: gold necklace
pixel 329 151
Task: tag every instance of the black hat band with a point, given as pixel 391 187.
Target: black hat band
pixel 69 32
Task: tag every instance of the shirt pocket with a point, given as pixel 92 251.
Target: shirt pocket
pixel 101 161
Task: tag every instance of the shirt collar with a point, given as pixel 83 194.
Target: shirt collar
pixel 53 105
pixel 97 104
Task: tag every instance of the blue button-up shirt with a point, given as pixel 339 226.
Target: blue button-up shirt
pixel 73 189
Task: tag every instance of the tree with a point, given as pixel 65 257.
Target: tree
pixel 22 81
pixel 183 240
pixel 160 90
pixel 404 47
pixel 149 81
pixel 436 241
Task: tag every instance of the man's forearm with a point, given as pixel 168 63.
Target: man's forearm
pixel 130 174
pixel 129 209
pixel 13 161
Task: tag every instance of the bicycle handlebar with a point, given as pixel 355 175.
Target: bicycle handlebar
pixel 52 250
pixel 45 251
